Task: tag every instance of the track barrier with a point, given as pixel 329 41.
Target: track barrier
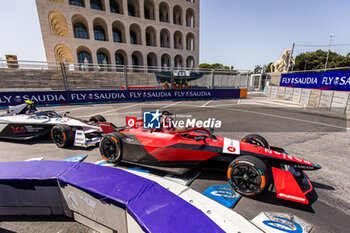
pixel 107 96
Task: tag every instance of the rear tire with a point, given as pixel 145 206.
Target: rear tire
pixel 248 175
pixel 257 140
pixel 111 148
pixel 97 118
pixel 62 135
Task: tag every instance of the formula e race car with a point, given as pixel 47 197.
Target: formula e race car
pixel 23 122
pixel 251 161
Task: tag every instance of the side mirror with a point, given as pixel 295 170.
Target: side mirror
pixel 65 114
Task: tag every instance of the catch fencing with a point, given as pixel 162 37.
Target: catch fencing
pixel 37 75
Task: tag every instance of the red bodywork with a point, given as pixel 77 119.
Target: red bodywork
pixel 163 148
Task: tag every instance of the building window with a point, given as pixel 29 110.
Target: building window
pixel 96 4
pixel 131 10
pixel 133 37
pixel 80 31
pixel 77 3
pixel 119 60
pixel 99 33
pixel 102 60
pixel 114 7
pixel 84 59
pixel 117 36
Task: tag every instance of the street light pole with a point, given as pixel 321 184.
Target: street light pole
pixel 329 50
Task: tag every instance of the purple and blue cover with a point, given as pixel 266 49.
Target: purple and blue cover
pixel 155 208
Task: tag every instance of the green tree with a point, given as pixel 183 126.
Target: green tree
pixel 258 69
pixel 317 60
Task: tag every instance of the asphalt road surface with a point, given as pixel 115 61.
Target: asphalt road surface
pixel 319 137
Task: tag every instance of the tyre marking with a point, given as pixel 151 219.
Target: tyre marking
pixel 262 185
pixel 229 172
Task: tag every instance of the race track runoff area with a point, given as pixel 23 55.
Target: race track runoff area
pixel 319 137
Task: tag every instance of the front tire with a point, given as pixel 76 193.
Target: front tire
pixel 97 118
pixel 111 148
pixel 62 135
pixel 248 175
pixel 257 140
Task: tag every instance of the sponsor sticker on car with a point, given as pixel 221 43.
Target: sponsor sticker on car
pixel 231 146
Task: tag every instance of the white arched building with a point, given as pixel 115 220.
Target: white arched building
pixel 121 32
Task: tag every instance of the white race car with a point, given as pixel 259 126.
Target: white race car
pixel 25 122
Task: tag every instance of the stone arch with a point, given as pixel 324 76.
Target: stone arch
pixel 122 54
pixel 190 18
pixel 63 53
pixel 58 24
pixel 190 62
pixel 133 8
pixel 178 61
pixel 103 59
pixel 151 36
pixel 190 42
pixel 149 9
pixel 99 23
pixel 84 56
pixel 135 34
pixel 166 60
pixel 165 38
pixel 152 61
pixel 119 26
pixel 137 61
pixel 164 12
pixel 178 40
pixel 177 15
pixel 78 21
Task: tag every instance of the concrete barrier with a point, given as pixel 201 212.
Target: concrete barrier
pixel 288 94
pixel 314 98
pixel 339 102
pixel 274 92
pixel 296 95
pixel 335 101
pixel 280 93
pixel 326 100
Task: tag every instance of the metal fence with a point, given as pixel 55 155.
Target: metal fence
pixel 24 75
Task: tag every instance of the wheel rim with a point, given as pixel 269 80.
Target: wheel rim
pixel 246 178
pixel 57 136
pixel 255 141
pixel 110 150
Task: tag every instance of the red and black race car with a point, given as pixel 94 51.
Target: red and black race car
pixel 252 161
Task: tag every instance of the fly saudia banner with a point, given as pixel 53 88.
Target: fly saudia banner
pixel 102 96
pixel 331 80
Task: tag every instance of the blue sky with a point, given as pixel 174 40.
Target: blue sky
pixel 242 33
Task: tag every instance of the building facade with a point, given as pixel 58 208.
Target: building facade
pixel 121 32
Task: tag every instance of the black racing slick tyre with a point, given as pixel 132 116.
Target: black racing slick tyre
pixel 248 175
pixel 257 140
pixel 111 148
pixel 62 135
pixel 97 118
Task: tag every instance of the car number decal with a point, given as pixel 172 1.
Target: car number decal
pixel 231 146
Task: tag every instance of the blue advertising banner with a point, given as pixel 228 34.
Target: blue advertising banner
pixel 103 96
pixel 330 80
